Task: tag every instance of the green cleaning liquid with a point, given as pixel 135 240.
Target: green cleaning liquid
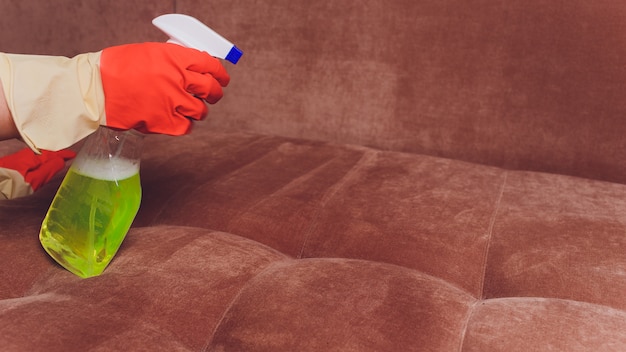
pixel 91 214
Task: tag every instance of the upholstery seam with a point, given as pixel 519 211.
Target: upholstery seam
pixel 470 314
pixel 481 298
pixel 236 298
pixel 492 222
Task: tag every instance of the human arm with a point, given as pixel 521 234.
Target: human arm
pixel 52 102
pixel 152 87
pixel 7 126
pixel 22 173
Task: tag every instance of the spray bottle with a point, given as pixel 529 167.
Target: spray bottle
pixel 100 195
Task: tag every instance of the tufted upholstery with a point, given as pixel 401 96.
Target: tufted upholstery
pixel 465 193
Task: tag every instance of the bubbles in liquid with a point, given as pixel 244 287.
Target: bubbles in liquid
pixel 106 169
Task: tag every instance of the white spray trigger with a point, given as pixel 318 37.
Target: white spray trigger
pixel 189 32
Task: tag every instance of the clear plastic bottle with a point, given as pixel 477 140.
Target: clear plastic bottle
pixel 96 203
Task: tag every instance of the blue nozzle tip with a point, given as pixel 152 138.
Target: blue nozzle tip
pixel 234 55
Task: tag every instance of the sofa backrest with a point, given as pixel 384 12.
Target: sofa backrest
pixel 523 84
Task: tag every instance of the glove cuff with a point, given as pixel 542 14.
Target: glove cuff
pixel 13 185
pixel 55 101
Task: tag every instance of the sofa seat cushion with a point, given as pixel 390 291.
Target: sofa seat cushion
pixel 174 288
pixel 487 230
pixel 166 290
pixel 248 242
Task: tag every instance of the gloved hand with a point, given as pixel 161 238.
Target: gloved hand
pixel 159 87
pixel 23 172
pixel 56 101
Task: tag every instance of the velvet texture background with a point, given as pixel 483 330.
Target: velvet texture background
pixel 374 180
pixel 521 84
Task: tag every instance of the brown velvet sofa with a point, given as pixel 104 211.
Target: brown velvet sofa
pixel 417 175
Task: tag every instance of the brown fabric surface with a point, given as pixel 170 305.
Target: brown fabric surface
pixel 350 306
pixel 521 84
pixel 561 237
pixel 539 324
pixel 297 197
pixel 166 290
pixel 68 28
pixel 525 85
pixel 339 197
pixel 250 242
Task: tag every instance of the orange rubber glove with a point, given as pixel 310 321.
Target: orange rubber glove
pixel 23 172
pixel 159 87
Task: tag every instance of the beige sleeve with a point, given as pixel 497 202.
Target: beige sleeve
pixel 55 101
pixel 12 184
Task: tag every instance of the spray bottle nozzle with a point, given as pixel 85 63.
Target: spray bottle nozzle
pixel 188 31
